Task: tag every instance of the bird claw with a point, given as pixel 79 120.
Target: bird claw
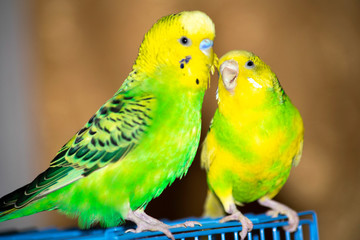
pixel 146 223
pixel 293 221
pixel 152 228
pixel 161 227
pixel 278 208
pixel 247 225
pixel 130 231
pixel 186 224
pixel 272 213
pixel 191 224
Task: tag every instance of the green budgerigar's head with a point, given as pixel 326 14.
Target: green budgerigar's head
pixel 180 47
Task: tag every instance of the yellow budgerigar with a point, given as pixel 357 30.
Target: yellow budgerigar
pixel 142 139
pixel 255 138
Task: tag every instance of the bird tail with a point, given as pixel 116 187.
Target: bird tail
pixel 8 203
pixel 9 209
pixel 213 207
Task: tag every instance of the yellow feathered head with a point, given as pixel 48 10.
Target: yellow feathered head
pixel 246 79
pixel 180 47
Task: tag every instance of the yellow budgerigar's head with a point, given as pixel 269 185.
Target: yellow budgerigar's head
pixel 246 79
pixel 178 50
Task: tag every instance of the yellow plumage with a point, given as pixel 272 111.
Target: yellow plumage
pixel 254 139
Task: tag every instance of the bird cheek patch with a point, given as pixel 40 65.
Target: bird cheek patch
pixel 254 83
pixel 229 71
pixel 184 61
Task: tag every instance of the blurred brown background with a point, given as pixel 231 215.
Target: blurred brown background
pixel 60 60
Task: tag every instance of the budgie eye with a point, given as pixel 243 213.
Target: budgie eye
pixel 185 41
pixel 249 64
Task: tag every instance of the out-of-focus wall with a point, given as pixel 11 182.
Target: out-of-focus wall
pixel 81 51
pixel 19 141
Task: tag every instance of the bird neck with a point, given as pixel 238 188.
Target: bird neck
pixel 249 106
pixel 245 98
pixel 163 84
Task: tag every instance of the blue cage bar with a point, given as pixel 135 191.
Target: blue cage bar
pixel 265 228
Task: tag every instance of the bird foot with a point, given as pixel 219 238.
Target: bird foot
pixel 247 225
pixel 143 226
pixel 272 213
pixel 186 224
pixel 146 223
pixel 278 208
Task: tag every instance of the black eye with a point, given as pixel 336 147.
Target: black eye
pixel 185 41
pixel 249 64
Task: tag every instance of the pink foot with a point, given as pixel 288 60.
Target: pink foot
pixel 186 224
pixel 247 225
pixel 147 223
pixel 278 208
pixel 141 214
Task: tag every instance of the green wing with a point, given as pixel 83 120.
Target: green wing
pixel 107 137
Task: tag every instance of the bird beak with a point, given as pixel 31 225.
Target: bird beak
pixel 206 46
pixel 229 71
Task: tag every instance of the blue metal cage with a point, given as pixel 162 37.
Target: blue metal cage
pixel 265 228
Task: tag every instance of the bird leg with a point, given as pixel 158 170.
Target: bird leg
pixel 278 208
pixel 147 223
pixel 141 214
pixel 236 215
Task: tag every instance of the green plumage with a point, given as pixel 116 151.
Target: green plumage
pixel 137 143
pixel 116 130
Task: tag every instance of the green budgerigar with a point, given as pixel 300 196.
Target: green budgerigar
pixel 138 142
pixel 255 138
